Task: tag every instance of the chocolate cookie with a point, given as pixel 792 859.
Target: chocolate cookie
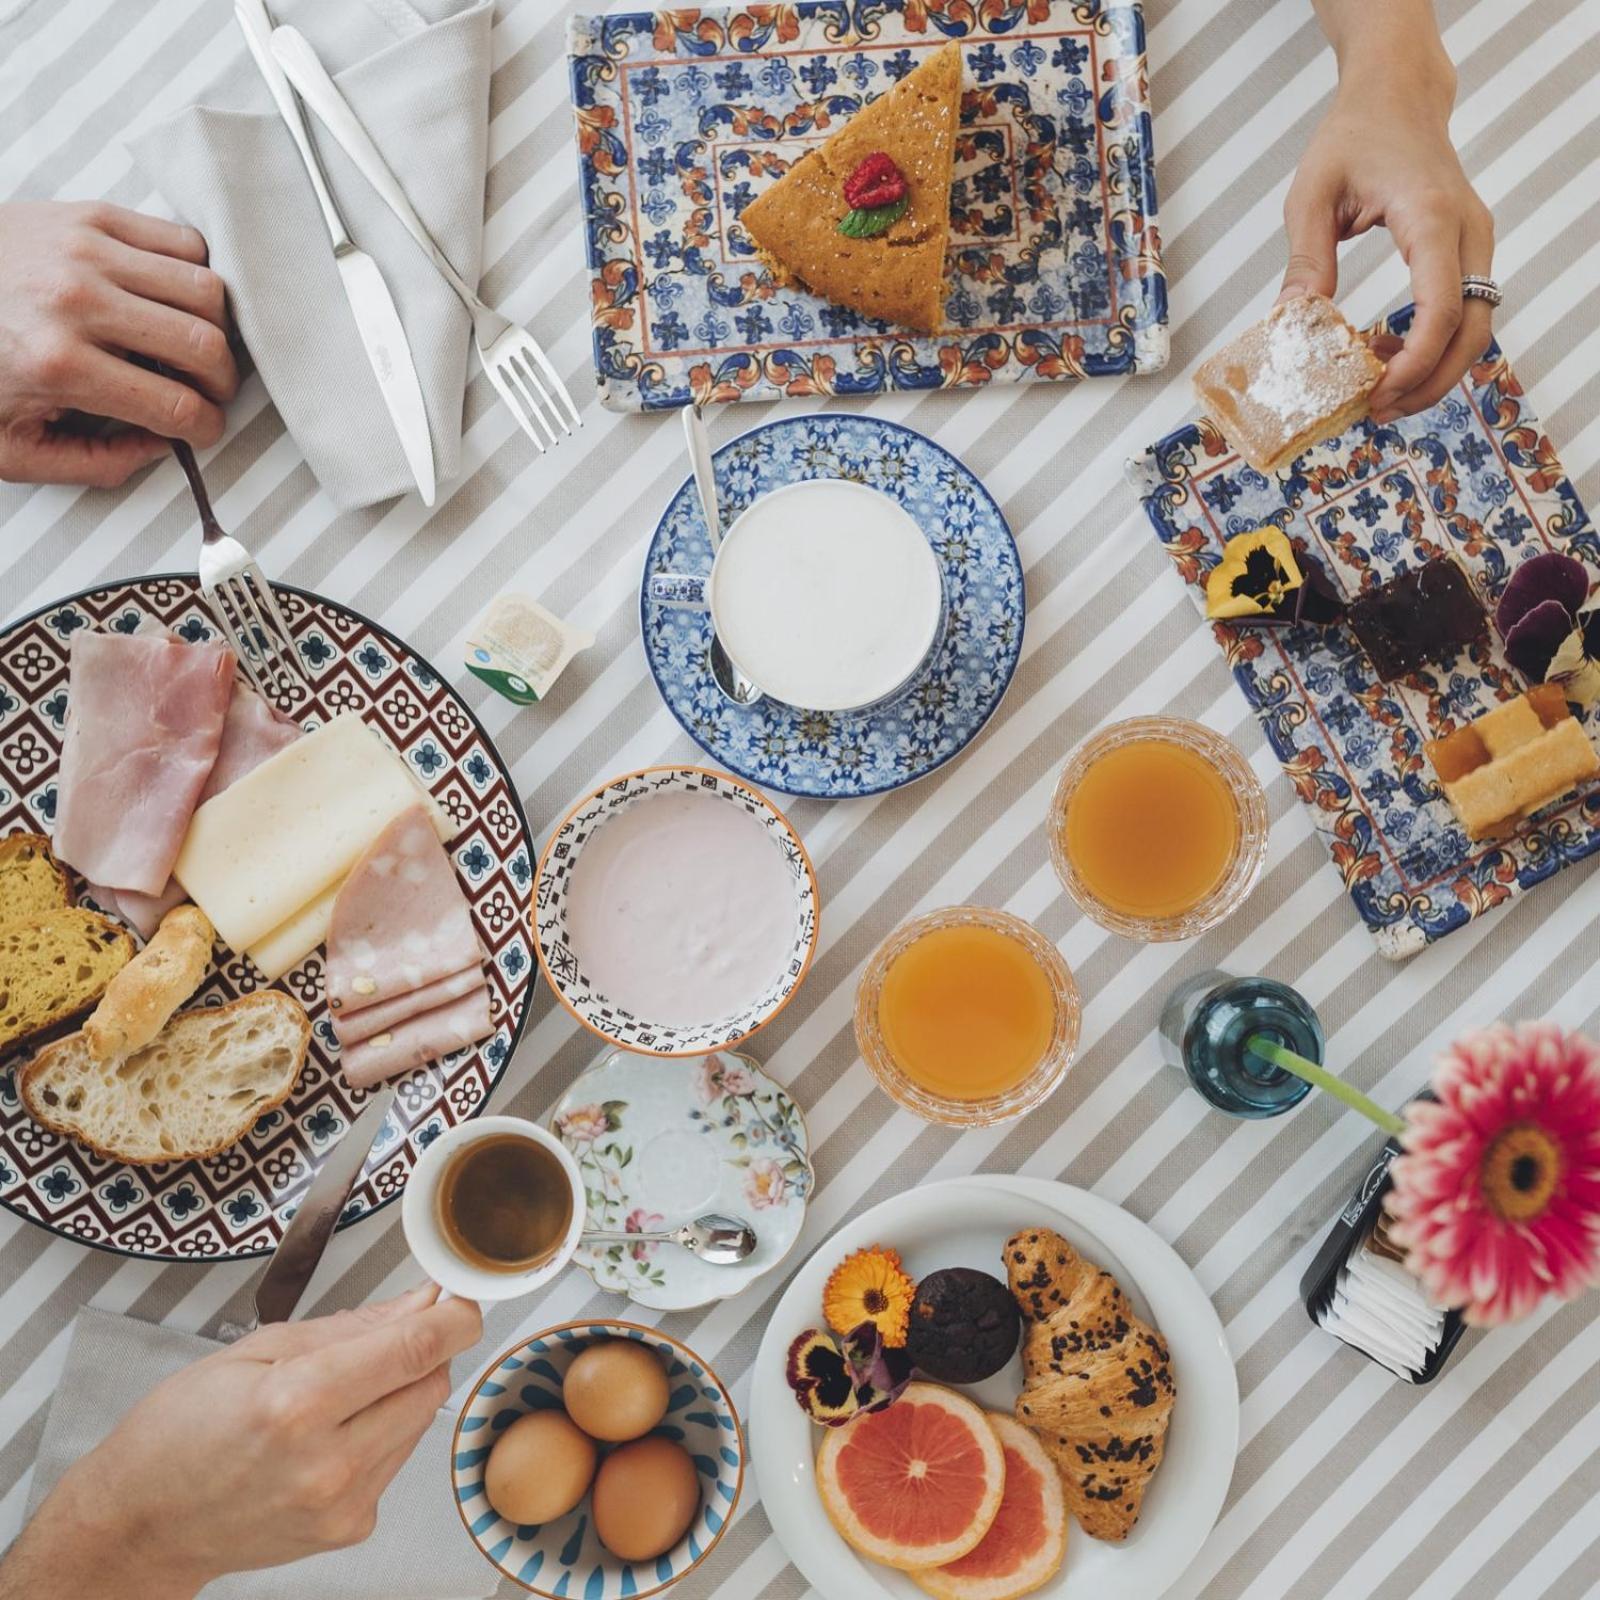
pixel 964 1325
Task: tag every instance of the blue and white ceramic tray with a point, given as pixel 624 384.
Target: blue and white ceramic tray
pixel 685 115
pixel 842 755
pixel 1474 478
pixel 564 1559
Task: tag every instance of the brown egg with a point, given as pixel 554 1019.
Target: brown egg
pixel 540 1468
pixel 615 1390
pixel 645 1496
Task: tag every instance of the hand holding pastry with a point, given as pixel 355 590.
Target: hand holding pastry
pixel 1383 155
pixel 274 1448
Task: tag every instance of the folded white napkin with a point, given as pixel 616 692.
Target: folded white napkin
pixel 419 1550
pixel 416 72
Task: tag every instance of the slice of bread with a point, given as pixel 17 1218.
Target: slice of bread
pixel 53 968
pixel 195 1089
pixel 32 881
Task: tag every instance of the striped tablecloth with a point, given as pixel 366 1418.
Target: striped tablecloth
pixel 1348 1484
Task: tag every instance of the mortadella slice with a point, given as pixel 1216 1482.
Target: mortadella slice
pixel 400 921
pixel 144 725
pixel 351 1027
pixel 418 1041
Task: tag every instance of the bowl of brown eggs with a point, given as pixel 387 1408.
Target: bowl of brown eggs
pixel 597 1458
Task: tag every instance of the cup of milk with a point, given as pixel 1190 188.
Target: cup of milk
pixel 825 594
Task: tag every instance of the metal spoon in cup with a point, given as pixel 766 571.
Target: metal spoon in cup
pixel 728 678
pixel 723 1241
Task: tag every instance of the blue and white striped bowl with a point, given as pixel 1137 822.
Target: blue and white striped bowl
pixel 565 1560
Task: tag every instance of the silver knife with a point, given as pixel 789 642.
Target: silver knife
pixel 371 304
pixel 299 1251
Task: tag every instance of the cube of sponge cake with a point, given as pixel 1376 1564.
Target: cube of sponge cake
pixel 1300 376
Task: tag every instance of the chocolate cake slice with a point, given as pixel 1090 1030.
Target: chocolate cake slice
pixel 1428 614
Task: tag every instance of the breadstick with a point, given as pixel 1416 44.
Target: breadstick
pixel 141 997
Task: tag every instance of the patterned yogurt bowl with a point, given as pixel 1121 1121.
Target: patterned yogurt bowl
pixel 559 961
pixel 566 1558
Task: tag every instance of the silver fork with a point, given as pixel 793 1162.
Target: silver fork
pixel 517 367
pixel 230 582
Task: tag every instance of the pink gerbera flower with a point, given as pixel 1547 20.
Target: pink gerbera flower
pixel 1496 1199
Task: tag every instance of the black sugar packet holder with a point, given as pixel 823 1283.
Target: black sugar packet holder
pixel 1353 1225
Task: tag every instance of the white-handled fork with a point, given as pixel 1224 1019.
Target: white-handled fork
pixel 519 370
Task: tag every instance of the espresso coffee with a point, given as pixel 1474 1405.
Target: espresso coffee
pixel 505 1204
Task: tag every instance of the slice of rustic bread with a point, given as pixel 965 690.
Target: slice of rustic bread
pixel 32 881
pixel 195 1089
pixel 53 968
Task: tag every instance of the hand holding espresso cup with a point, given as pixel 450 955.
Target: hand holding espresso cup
pixel 274 1448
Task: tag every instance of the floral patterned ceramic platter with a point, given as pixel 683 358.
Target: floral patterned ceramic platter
pixel 841 755
pixel 238 1203
pixel 1475 478
pixel 685 115
pixel 565 1557
pixel 662 1142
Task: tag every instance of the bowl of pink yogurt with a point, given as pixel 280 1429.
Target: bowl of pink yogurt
pixel 675 911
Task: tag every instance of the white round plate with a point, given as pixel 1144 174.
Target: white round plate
pixel 660 1143
pixel 965 1222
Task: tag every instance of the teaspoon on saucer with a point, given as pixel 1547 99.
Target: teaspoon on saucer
pixel 723 1241
pixel 727 677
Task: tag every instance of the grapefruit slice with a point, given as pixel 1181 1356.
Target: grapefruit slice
pixel 1027 1539
pixel 915 1485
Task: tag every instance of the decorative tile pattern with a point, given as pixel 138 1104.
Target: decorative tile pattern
pixel 571 983
pixel 684 116
pixel 841 755
pixel 565 1558
pixel 1474 478
pixel 238 1203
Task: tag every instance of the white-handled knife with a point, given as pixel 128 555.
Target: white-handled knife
pixel 371 304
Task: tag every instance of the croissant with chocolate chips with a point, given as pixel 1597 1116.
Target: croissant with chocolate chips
pixel 1097 1387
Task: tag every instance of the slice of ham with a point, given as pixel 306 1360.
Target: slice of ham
pixel 400 921
pixel 144 725
pixel 251 731
pixel 351 1027
pixel 419 1040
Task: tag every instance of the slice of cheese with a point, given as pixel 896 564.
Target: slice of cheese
pixel 263 850
pixel 295 937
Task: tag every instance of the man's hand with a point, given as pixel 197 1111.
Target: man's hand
pixel 275 1448
pixel 82 287
pixel 1383 155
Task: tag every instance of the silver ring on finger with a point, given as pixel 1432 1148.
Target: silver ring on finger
pixel 1476 286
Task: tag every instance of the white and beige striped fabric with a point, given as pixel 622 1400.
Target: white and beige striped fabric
pixel 1348 1484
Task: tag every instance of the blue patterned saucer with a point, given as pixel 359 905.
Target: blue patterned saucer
pixel 843 755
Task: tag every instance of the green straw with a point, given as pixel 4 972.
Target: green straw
pixel 1268 1050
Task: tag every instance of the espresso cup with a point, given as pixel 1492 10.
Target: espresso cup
pixel 824 593
pixel 426 1237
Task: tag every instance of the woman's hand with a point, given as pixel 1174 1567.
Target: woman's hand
pixel 275 1448
pixel 82 286
pixel 1383 155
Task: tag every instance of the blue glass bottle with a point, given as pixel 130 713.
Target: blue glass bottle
pixel 1205 1023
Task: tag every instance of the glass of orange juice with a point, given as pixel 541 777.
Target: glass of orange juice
pixel 967 1016
pixel 1158 828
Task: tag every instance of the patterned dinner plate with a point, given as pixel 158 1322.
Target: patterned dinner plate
pixel 237 1204
pixel 685 115
pixel 842 755
pixel 662 1142
pixel 1474 478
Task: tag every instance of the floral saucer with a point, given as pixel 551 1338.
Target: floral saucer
pixel 842 755
pixel 660 1142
